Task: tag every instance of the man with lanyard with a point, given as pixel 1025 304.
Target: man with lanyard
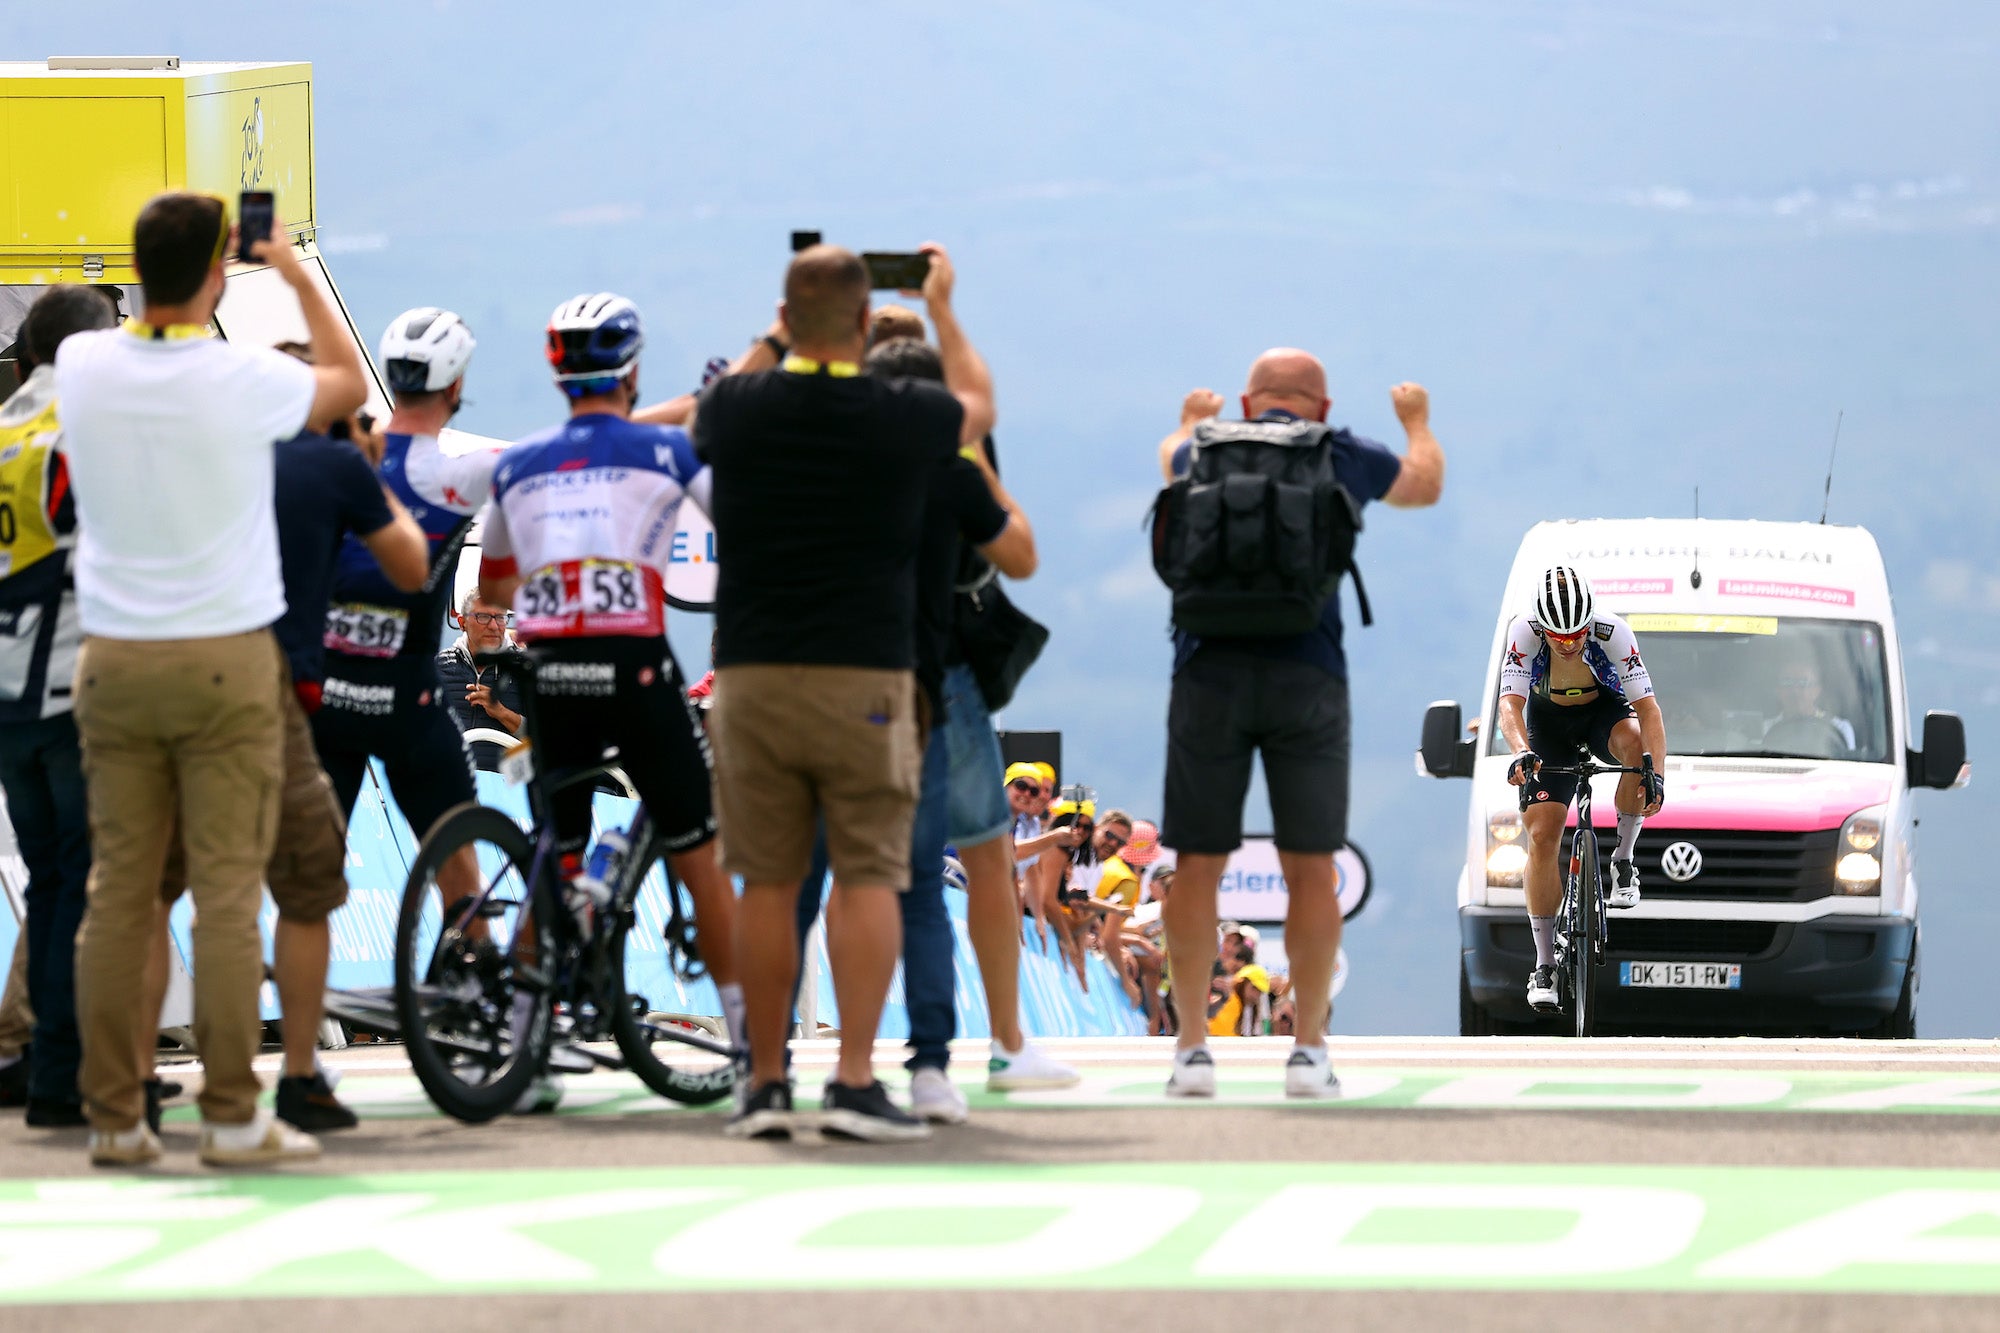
pixel 577 540
pixel 1571 683
pixel 382 697
pixel 1286 697
pixel 40 759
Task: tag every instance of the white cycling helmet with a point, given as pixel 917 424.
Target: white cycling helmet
pixel 593 340
pixel 1563 604
pixel 425 350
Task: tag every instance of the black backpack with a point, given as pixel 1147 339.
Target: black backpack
pixel 1255 537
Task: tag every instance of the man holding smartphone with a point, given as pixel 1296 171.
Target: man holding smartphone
pixel 180 683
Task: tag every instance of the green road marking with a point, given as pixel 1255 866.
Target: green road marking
pixel 1518 1089
pixel 1133 1225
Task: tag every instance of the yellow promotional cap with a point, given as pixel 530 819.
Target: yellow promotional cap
pixel 1024 770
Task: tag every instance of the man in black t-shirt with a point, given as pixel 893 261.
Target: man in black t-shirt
pixel 822 476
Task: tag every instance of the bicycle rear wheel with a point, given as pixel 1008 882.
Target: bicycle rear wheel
pixel 678 1063
pixel 456 982
pixel 1587 931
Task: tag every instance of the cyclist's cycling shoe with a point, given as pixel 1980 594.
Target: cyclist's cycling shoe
pixel 1624 884
pixel 1542 991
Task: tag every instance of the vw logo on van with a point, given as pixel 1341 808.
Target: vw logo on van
pixel 1681 861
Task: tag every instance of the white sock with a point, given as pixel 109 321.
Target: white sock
pixel 1628 835
pixel 1545 940
pixel 732 1015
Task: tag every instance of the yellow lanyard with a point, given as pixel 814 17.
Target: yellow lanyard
pixel 138 328
pixel 805 365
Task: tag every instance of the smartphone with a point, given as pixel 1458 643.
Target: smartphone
pixel 896 272
pixel 804 240
pixel 256 212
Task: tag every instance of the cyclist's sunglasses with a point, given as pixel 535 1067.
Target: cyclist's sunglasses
pixel 1567 640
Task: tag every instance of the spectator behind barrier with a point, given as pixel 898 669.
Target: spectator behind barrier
pixel 181 684
pixel 481 697
pixel 1286 696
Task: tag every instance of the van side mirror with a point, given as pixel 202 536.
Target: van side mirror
pixel 1446 751
pixel 1942 759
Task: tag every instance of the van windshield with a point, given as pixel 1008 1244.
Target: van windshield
pixel 1767 686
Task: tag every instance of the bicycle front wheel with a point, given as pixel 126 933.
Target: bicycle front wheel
pixel 677 1062
pixel 473 1045
pixel 1586 933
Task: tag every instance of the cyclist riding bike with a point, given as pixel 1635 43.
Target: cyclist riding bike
pixel 1571 683
pixel 577 541
pixel 382 696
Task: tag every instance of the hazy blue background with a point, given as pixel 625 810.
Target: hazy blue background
pixel 1631 248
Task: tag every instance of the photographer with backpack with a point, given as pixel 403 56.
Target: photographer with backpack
pixel 1252 534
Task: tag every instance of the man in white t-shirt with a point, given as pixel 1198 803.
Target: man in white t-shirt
pixel 180 684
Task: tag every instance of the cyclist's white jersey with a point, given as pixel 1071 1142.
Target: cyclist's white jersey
pixel 585 514
pixel 1612 652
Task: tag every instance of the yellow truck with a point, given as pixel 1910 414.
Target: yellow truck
pixel 86 141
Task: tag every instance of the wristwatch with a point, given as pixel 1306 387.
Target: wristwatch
pixel 778 348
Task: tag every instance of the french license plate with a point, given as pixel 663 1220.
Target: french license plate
pixel 1682 976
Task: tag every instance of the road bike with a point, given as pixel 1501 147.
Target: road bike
pixel 1580 921
pixel 525 967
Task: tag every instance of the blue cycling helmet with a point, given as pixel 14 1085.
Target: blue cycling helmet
pixel 593 341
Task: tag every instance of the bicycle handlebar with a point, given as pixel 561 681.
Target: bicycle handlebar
pixel 1592 769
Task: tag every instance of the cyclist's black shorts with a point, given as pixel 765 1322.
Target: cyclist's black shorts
pixel 1561 735
pixel 393 710
pixel 628 692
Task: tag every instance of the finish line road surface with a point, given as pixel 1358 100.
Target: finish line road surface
pixel 1463 1184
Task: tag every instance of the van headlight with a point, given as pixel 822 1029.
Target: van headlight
pixel 1859 869
pixel 1506 858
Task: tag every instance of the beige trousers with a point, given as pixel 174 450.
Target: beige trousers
pixel 194 728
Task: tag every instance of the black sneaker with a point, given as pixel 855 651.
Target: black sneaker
pixel 47 1113
pixel 168 1088
pixel 307 1103
pixel 1624 883
pixel 867 1115
pixel 764 1114
pixel 1542 991
pixel 14 1082
pixel 156 1093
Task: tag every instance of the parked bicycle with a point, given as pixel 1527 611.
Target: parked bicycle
pixel 1580 928
pixel 484 995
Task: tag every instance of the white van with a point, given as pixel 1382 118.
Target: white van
pixel 1780 878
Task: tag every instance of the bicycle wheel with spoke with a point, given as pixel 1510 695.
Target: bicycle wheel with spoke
pixel 677 1062
pixel 1587 933
pixel 474 1049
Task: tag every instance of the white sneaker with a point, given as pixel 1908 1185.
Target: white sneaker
pixel 264 1141
pixel 136 1146
pixel 1193 1074
pixel 542 1097
pixel 934 1097
pixel 1308 1073
pixel 1029 1067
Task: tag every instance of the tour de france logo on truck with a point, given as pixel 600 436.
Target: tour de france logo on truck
pixel 253 145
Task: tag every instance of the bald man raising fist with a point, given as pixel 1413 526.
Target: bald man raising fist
pixel 1283 695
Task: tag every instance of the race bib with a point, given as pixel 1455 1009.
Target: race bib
pixel 365 631
pixel 589 599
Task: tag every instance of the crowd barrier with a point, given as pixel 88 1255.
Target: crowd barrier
pixel 380 848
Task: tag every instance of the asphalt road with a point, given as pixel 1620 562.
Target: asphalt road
pixel 1482 1184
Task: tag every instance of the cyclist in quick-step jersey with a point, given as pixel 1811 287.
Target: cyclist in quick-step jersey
pixel 382 696
pixel 577 541
pixel 1571 682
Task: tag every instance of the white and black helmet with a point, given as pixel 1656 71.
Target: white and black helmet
pixel 1563 604
pixel 593 340
pixel 425 350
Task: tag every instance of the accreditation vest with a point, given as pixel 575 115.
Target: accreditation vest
pixel 39 630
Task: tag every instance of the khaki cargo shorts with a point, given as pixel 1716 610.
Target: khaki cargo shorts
pixel 794 744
